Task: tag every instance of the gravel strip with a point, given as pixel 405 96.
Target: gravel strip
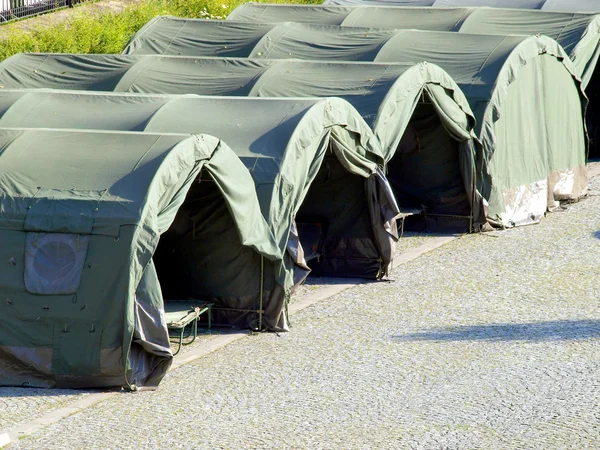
pixel 491 341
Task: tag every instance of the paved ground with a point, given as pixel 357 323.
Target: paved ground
pixel 492 341
pixel 19 406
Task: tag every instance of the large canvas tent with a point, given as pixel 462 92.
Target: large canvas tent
pixel 81 217
pixel 315 164
pixel 578 34
pixel 419 100
pixel 546 5
pixel 528 165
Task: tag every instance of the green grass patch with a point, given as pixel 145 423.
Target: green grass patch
pixel 91 31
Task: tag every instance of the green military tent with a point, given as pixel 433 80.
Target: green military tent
pixel 392 98
pixel 315 164
pixel 81 214
pixel 546 5
pixel 528 166
pixel 380 2
pixel 578 34
pixel 379 16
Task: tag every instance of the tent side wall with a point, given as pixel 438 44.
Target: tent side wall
pixel 564 109
pixel 519 163
pixel 536 162
pixel 377 17
pixel 569 5
pixel 74 340
pixel 522 4
pixel 381 2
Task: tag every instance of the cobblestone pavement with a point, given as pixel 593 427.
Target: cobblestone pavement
pixel 18 406
pixel 492 341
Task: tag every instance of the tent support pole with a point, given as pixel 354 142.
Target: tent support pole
pixel 260 302
pixel 473 190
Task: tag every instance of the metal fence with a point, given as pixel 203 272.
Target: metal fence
pixel 17 9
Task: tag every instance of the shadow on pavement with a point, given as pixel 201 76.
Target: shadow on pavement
pixel 596 234
pixel 562 330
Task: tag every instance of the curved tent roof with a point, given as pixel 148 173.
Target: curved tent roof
pixel 421 18
pixel 150 74
pixel 578 34
pixel 547 5
pixel 381 2
pixel 521 4
pixel 484 66
pixel 386 95
pixel 379 92
pixel 165 35
pixel 107 196
pixel 282 142
pixel 473 61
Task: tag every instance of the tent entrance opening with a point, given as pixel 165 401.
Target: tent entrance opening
pixel 201 257
pixel 334 225
pixel 593 114
pixel 425 173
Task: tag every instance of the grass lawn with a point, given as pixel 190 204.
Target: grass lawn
pixel 87 31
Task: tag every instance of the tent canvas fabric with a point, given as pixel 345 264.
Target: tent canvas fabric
pixel 386 95
pixel 286 144
pixel 527 166
pixel 81 216
pixel 578 34
pixel 546 5
pixel 421 18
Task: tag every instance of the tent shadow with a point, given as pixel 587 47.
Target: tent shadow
pixel 596 234
pixel 561 330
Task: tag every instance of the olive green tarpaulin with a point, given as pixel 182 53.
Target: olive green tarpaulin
pixel 578 34
pixel 81 214
pixel 386 95
pixel 301 154
pixel 545 5
pixel 528 165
